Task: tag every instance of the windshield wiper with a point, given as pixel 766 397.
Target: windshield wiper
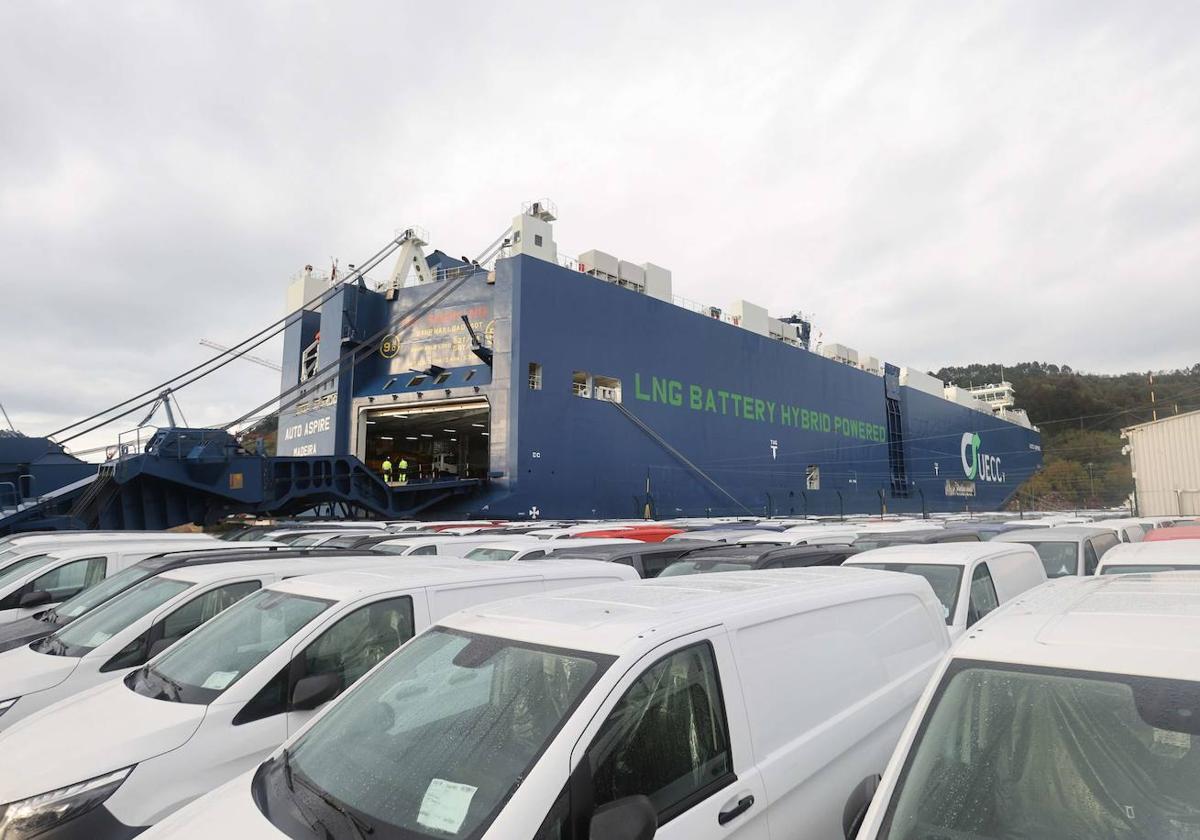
pixel 312 820
pixel 50 616
pixel 361 827
pixel 167 682
pixel 49 646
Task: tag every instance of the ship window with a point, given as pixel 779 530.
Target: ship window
pixel 580 382
pixel 535 376
pixel 441 378
pixel 537 239
pixel 415 381
pixel 469 375
pixel 607 388
pixel 812 477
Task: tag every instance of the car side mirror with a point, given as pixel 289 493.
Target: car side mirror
pixel 314 690
pixel 628 818
pixel 856 806
pixel 37 598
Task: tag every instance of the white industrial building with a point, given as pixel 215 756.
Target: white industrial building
pixel 1165 458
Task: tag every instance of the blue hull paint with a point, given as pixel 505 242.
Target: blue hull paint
pixel 752 415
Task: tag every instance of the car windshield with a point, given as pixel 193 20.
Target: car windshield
pixel 944 579
pixel 104 622
pixel 15 571
pixel 7 555
pixel 701 567
pixel 436 740
pixel 91 598
pixel 221 651
pixel 491 554
pixel 392 548
pixel 1117 569
pixel 1041 753
pixel 1060 558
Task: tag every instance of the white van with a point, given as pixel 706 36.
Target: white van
pixel 16 546
pixel 1160 556
pixel 125 632
pixel 223 698
pixel 1073 712
pixel 37 581
pixel 743 705
pixel 970 579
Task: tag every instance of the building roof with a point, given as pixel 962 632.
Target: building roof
pixel 1159 422
pixel 1147 624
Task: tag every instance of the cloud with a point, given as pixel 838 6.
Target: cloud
pixel 938 182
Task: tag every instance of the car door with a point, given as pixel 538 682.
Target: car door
pixel 347 649
pixel 677 733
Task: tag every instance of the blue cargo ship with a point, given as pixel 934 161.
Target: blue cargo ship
pixel 585 388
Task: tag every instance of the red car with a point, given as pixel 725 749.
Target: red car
pixel 1178 532
pixel 649 533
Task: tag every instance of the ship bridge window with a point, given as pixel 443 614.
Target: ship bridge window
pixel 581 384
pixel 415 381
pixel 535 376
pixel 441 378
pixel 606 388
pixel 812 477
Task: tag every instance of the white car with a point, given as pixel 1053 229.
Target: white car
pixel 222 699
pixel 1066 549
pixel 520 549
pixel 969 579
pixel 743 705
pixel 1142 557
pixel 1128 530
pixel 109 641
pixel 1071 713
pixel 18 546
pixel 38 581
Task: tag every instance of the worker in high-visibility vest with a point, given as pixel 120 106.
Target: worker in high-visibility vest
pixel 402 472
pixel 387 470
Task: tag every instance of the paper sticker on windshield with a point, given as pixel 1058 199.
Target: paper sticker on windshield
pixel 219 680
pixel 98 639
pixel 445 805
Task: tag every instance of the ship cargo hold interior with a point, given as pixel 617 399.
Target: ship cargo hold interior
pixel 437 441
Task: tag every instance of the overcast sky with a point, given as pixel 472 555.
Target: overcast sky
pixel 937 182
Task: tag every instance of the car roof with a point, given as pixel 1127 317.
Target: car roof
pixel 1145 624
pixel 291 566
pixel 1061 533
pixel 949 554
pixel 1162 551
pixel 1176 532
pixel 432 571
pixel 621 617
pixel 637 548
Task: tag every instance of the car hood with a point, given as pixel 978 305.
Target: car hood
pixel 90 734
pixel 22 671
pixel 19 633
pixel 229 811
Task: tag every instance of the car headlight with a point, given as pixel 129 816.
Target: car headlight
pixel 32 816
pixel 5 705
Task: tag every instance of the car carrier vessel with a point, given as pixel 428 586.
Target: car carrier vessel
pixel 584 387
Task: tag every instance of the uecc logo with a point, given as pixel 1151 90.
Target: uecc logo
pixel 976 465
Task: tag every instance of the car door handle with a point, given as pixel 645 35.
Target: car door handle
pixel 742 806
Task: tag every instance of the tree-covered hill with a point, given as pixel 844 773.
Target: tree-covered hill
pixel 1081 416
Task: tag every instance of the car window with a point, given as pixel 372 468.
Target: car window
pixel 533 555
pixel 1104 542
pixel 425 549
pixel 357 642
pixel 69 580
pixel 1060 559
pixel 667 737
pixel 1090 559
pixel 653 564
pixel 983 594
